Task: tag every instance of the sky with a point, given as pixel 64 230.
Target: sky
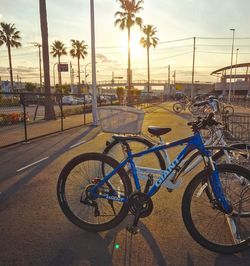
pixel 177 22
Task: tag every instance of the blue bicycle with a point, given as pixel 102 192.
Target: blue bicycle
pixel 96 194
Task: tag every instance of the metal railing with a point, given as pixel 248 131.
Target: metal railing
pixel 239 126
pixel 240 100
pixel 26 116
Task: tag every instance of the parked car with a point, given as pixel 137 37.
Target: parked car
pixel 101 99
pixel 69 100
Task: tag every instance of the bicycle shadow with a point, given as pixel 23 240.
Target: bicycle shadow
pixel 242 258
pixel 102 248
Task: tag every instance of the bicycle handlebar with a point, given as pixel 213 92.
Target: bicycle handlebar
pixel 202 123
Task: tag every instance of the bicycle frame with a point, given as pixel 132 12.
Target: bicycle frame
pixel 144 171
pixel 193 142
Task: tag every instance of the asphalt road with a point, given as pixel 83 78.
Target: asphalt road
pixel 33 230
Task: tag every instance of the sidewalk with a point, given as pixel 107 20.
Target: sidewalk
pixel 16 133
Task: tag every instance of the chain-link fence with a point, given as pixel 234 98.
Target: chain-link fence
pixel 25 116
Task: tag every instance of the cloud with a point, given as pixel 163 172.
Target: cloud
pixel 24 69
pixel 1 17
pixel 104 59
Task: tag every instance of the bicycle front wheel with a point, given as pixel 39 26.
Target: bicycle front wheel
pixel 240 154
pixel 205 220
pixel 73 192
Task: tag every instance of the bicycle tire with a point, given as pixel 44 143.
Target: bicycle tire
pixel 190 211
pixel 141 140
pixel 193 109
pixel 178 107
pixel 228 110
pixel 65 201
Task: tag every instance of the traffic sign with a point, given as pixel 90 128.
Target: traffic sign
pixel 63 67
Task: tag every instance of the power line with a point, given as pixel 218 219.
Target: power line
pixel 221 38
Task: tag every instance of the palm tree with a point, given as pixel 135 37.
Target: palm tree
pixel 58 49
pixel 147 42
pixel 79 50
pixel 48 104
pixel 10 36
pixel 126 19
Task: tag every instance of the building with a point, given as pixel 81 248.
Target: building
pixel 239 76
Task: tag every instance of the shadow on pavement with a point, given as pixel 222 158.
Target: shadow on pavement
pixel 242 258
pixel 5 195
pixel 94 249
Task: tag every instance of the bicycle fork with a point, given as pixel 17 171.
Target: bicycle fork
pixel 216 185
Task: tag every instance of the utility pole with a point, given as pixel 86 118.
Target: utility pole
pixel 169 79
pixel 192 88
pixel 174 76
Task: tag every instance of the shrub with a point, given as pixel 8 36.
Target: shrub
pixel 12 118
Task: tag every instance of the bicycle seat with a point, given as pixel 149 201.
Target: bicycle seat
pixel 158 131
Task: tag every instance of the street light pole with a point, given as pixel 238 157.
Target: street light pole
pixel 230 84
pixel 54 75
pixel 93 59
pixel 36 44
pixel 192 88
pixel 85 72
pixel 236 60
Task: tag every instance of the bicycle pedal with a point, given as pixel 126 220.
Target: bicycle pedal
pixel 132 229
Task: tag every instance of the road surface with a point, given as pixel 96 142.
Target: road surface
pixel 34 231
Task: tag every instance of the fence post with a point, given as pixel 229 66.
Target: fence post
pixel 22 100
pixel 84 109
pixel 61 107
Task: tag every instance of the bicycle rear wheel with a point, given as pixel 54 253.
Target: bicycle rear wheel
pixel 205 220
pixel 137 144
pixel 73 192
pixel 228 110
pixel 178 107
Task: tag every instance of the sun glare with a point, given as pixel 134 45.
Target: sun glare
pixel 137 51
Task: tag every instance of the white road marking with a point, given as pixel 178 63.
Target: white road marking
pixel 29 165
pixel 77 144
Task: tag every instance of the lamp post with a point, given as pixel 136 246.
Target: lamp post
pixel 54 75
pixel 85 71
pixel 230 84
pixel 236 60
pixel 36 44
pixel 94 93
